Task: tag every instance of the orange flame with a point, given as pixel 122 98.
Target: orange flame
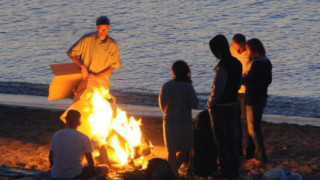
pixel 109 125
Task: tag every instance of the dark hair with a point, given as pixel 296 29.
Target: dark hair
pixel 73 118
pixel 159 169
pixel 239 38
pixel 256 48
pixel 181 71
pixel 220 47
pixel 103 20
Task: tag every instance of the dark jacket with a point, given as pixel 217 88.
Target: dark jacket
pixel 258 79
pixel 227 74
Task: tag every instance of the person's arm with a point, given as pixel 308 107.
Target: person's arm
pixel 193 99
pixel 105 72
pixel 51 154
pixel 89 159
pixel 84 70
pixel 218 86
pixel 161 99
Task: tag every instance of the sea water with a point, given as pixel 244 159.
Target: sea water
pixel 153 34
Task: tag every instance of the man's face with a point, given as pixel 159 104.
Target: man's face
pixel 248 50
pixel 102 31
pixel 240 48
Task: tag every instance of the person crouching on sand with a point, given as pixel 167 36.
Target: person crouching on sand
pixel 176 99
pixel 66 152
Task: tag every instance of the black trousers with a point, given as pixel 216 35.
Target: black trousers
pixel 222 122
pixel 88 172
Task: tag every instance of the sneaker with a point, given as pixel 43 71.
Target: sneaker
pixel 255 161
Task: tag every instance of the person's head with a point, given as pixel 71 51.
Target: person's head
pixel 73 119
pixel 181 71
pixel 255 49
pixel 159 169
pixel 239 43
pixel 103 26
pixel 220 47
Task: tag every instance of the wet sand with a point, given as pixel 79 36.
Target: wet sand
pixel 25 135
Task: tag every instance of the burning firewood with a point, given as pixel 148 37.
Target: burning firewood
pixel 141 151
pixel 103 157
pixel 117 138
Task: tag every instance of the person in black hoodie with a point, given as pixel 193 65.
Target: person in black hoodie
pixel 222 105
pixel 257 81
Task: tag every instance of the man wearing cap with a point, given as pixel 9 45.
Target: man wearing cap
pixel 97 55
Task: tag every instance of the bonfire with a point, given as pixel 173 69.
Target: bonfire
pixel 117 139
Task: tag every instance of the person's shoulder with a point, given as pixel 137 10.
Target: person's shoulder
pixel 173 84
pixel 236 61
pixel 82 135
pixel 168 83
pixel 269 62
pixel 89 36
pixel 60 132
pixel 262 61
pixel 111 40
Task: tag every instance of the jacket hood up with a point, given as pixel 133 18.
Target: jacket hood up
pixel 220 47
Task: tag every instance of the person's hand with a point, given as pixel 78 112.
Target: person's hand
pixel 92 76
pixel 84 72
pixel 209 104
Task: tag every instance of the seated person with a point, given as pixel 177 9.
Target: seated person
pixel 205 153
pixel 67 149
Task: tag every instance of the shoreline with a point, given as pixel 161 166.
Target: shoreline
pixel 134 110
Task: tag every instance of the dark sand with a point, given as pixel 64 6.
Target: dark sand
pixel 25 136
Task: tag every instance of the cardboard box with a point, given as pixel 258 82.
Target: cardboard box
pixel 67 77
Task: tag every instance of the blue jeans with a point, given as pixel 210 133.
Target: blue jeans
pixel 255 147
pixel 222 123
pixel 240 122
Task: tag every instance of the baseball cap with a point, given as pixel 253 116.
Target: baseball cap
pixel 103 20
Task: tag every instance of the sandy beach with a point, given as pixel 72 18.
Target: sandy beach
pixel 25 135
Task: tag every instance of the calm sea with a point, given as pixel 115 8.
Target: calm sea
pixel 153 34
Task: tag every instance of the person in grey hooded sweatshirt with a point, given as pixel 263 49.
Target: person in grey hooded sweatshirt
pixel 222 106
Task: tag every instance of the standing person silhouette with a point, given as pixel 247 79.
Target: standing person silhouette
pixel 176 99
pixel 222 106
pixel 238 50
pixel 257 81
pixel 97 55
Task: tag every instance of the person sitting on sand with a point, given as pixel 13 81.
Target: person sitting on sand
pixel 176 99
pixel 66 151
pixel 205 153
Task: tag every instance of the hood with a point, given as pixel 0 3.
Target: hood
pixel 220 47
